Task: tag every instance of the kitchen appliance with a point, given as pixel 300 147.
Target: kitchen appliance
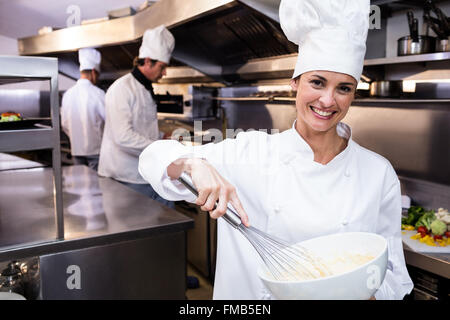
pixel 428 286
pixel 201 244
pixel 283 261
pixel 386 89
pixel 197 104
pixel 168 103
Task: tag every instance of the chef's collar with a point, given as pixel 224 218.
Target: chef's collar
pixel 139 76
pixel 84 81
pixel 294 145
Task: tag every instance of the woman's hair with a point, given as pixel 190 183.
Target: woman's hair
pixel 86 72
pixel 141 61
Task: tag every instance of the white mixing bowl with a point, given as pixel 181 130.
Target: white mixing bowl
pixel 357 284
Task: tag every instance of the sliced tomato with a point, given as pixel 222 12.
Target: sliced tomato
pixel 436 237
pixel 447 234
pixel 422 229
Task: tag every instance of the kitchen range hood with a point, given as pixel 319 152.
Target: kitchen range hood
pixel 227 41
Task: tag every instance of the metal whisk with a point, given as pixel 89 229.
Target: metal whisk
pixel 282 260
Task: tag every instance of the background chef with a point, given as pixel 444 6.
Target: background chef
pixel 131 115
pixel 83 111
pixel 308 181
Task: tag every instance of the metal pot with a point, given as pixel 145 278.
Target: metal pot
pixel 442 45
pixel 406 45
pixel 386 89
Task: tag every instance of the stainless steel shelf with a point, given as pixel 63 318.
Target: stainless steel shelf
pixel 26 139
pixel 401 102
pixel 429 57
pixel 28 68
pixel 282 67
pixel 359 102
pixel 22 68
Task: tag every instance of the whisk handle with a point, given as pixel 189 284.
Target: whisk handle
pixel 230 216
pixel 187 181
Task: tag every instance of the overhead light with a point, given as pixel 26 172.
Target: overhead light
pixel 409 86
pixel 363 85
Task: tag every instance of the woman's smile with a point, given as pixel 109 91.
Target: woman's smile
pixel 322 113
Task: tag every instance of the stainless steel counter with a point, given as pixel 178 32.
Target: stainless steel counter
pixel 97 211
pixel 436 263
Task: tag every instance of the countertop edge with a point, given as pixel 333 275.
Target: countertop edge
pixel 57 246
pixel 427 262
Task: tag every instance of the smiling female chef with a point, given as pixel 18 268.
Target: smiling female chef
pixel 308 181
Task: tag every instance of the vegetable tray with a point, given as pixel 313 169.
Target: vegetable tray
pixel 418 246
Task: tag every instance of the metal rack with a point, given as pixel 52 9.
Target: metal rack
pixel 19 69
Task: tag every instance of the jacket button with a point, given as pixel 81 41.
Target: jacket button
pixel 276 209
pixel 344 223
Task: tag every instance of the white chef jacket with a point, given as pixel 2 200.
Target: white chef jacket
pixel 83 117
pixel 131 125
pixel 287 194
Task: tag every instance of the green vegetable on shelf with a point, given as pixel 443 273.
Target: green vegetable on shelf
pixel 438 227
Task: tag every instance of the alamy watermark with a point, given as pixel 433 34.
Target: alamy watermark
pixel 74 279
pixel 375 17
pixel 74 18
pixel 374 279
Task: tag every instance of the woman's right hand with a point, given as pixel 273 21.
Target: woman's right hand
pixel 211 186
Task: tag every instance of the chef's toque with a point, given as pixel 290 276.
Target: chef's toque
pixel 331 34
pixel 89 59
pixel 157 44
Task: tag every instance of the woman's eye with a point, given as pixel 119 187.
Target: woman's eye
pixel 316 82
pixel 345 89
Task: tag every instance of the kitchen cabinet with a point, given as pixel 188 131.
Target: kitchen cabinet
pixel 123 244
pixel 201 240
pixel 15 69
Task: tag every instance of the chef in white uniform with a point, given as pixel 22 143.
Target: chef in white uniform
pixel 83 111
pixel 308 181
pixel 131 115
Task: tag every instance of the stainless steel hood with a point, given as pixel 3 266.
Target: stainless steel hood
pixel 223 40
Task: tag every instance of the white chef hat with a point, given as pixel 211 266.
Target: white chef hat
pixel 331 34
pixel 89 59
pixel 157 44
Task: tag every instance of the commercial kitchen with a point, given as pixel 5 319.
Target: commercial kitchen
pixel 67 232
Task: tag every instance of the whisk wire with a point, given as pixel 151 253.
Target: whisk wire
pixel 279 255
